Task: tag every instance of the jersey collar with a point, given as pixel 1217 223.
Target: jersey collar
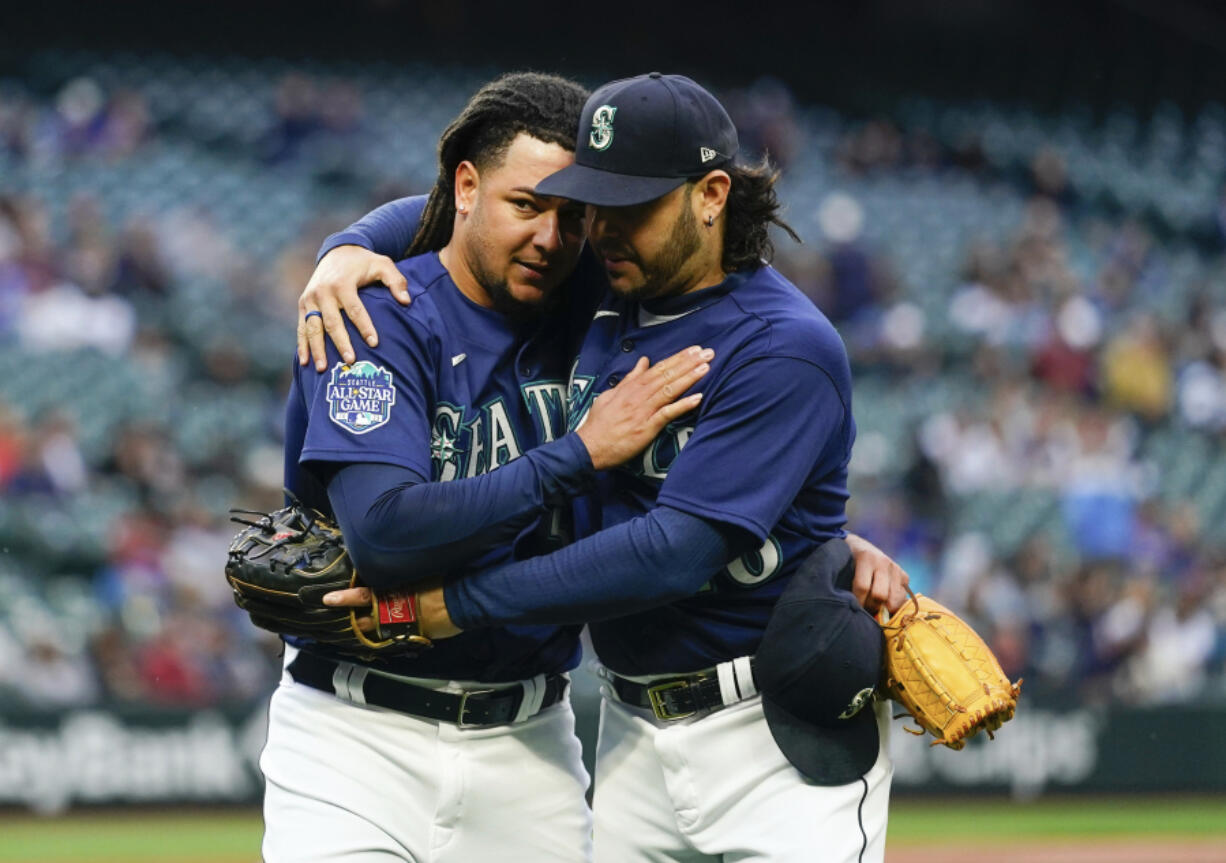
pixel 652 313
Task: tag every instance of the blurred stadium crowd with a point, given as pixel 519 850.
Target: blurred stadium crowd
pixel 1035 308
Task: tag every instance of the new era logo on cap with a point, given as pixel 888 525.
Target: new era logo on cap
pixel 706 154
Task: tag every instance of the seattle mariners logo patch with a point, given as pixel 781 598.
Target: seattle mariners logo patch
pixel 602 128
pixel 360 396
pixel 858 703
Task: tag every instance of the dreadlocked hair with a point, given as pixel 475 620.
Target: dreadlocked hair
pixel 547 107
pixel 752 208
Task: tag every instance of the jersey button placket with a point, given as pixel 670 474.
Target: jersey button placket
pixel 627 346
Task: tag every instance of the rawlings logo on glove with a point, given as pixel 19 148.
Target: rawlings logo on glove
pixel 283 563
pixel 943 673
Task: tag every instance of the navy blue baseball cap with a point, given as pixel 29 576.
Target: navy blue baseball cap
pixel 818 667
pixel 642 137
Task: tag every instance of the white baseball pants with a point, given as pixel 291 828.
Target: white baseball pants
pixel 716 789
pixel 346 782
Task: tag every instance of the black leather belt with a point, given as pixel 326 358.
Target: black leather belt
pixel 673 697
pixel 480 707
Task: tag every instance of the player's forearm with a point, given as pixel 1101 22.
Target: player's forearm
pixel 649 561
pixel 386 230
pixel 400 529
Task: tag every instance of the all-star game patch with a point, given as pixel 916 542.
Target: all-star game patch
pixel 360 396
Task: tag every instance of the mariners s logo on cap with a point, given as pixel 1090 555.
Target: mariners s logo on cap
pixel 858 703
pixel 602 128
pixel 671 130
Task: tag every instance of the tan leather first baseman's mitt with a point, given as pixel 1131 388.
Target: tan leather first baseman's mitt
pixel 943 673
pixel 281 565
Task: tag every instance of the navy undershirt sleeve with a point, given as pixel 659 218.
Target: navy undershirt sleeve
pixel 646 562
pixel 386 230
pixel 400 528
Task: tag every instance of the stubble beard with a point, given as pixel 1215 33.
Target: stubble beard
pixel 662 275
pixel 477 255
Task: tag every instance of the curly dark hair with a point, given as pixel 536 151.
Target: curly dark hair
pixel 752 208
pixel 547 107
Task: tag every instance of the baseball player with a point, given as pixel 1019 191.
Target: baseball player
pixel 448 443
pixel 686 550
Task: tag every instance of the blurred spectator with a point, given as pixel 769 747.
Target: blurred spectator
pixel 191 557
pixel 116 665
pixel 133 583
pixel 144 456
pixel 970 451
pixel 26 265
pixel 1101 488
pixel 81 114
pixel 1065 361
pixel 852 291
pixel 1179 640
pixel 1201 389
pixel 1137 373
pixel 128 123
pixel 70 315
pixel 54 464
pixel 52 677
pixel 13 446
pixel 139 272
pixel 1121 631
pixel 168 666
pixel 1000 306
pixel 323 123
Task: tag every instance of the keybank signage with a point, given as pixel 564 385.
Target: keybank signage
pixel 53 762
pixel 1035 751
pixel 93 757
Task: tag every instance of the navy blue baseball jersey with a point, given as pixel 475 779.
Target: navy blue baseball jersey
pixel 766 452
pixel 453 391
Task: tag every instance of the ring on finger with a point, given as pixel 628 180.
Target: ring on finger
pixel 313 313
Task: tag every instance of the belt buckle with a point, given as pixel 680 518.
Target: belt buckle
pixel 655 696
pixel 464 696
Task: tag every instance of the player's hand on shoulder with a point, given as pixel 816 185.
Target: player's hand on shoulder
pixel 625 419
pixel 879 582
pixel 332 295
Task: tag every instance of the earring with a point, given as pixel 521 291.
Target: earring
pixel 461 208
pixel 710 221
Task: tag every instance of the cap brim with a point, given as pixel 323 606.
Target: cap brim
pixel 604 188
pixel 825 755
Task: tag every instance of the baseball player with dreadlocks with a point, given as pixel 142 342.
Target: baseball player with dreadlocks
pixel 448 443
pixel 725 732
